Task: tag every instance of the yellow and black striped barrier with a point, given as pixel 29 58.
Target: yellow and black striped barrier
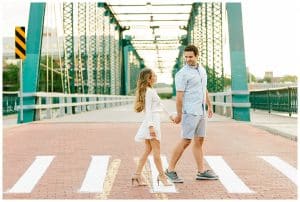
pixel 20 44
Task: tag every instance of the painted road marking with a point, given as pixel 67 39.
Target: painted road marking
pixel 32 175
pixel 285 168
pixel 95 175
pixel 154 173
pixel 228 178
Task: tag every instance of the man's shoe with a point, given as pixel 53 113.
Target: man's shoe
pixel 207 175
pixel 172 175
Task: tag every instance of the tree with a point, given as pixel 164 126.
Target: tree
pixel 251 78
pixel 289 78
pixel 11 77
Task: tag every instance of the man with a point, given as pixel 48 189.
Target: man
pixel 191 98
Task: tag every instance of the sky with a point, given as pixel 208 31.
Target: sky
pixel 271 34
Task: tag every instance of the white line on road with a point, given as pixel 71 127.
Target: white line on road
pixel 228 178
pixel 154 173
pixel 286 169
pixel 32 175
pixel 95 175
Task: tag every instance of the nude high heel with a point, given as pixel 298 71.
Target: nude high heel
pixel 139 179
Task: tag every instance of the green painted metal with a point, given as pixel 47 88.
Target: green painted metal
pixel 112 55
pixel 99 46
pixel 92 52
pixel 101 6
pixel 32 62
pixel 276 99
pixel 93 63
pixel 107 57
pixel 82 50
pixel 69 51
pixel 205 31
pixel 125 68
pixel 69 61
pixel 132 65
pixel 237 58
pixel 118 57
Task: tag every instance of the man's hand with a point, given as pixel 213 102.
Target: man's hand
pixel 177 119
pixel 209 112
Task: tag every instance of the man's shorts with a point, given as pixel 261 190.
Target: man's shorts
pixel 193 126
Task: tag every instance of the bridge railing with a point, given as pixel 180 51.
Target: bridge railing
pixel 275 99
pixel 10 102
pixel 222 102
pixel 50 105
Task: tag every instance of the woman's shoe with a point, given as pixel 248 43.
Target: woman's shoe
pixel 163 178
pixel 139 179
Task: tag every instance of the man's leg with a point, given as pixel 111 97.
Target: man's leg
pixel 177 152
pixel 198 153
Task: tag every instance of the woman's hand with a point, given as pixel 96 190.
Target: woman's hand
pixel 152 131
pixel 171 118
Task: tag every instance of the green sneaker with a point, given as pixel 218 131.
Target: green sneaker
pixel 172 175
pixel 207 175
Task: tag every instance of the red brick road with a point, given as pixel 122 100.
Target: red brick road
pixel 72 144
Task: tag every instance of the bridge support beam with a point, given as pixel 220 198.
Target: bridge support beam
pixel 237 59
pixel 31 66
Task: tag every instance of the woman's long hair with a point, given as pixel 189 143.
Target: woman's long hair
pixel 140 93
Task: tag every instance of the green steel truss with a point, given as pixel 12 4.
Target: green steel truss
pixel 205 30
pixel 94 56
pixel 132 65
pixel 69 63
pixel 82 48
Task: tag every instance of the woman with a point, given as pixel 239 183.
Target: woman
pixel 148 101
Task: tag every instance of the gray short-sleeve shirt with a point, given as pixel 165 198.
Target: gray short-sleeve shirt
pixel 193 82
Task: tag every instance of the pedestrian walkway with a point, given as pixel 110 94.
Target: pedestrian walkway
pixel 275 123
pixel 92 155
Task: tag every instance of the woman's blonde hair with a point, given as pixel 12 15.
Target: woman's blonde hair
pixel 141 87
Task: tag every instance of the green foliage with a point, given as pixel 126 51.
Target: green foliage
pixel 10 77
pixel 253 78
pixel 227 82
pixel 11 81
pixel 289 78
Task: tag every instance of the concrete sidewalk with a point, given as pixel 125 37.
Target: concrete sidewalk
pixel 277 124
pixel 274 123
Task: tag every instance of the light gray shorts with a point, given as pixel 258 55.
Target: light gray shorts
pixel 193 126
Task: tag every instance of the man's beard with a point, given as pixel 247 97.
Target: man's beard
pixel 192 63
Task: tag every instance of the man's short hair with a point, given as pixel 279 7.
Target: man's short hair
pixel 192 48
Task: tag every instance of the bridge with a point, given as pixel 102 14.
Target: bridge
pixel 68 132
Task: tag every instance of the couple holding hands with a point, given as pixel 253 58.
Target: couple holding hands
pixel 191 100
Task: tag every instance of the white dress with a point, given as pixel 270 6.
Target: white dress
pixel 153 107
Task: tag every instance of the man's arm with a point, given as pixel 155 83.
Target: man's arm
pixel 179 98
pixel 209 106
pixel 208 100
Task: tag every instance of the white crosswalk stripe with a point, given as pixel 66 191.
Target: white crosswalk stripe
pixel 228 178
pixel 95 175
pixel 97 171
pixel 286 169
pixel 154 173
pixel 32 175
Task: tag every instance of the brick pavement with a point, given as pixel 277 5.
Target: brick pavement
pixel 72 144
